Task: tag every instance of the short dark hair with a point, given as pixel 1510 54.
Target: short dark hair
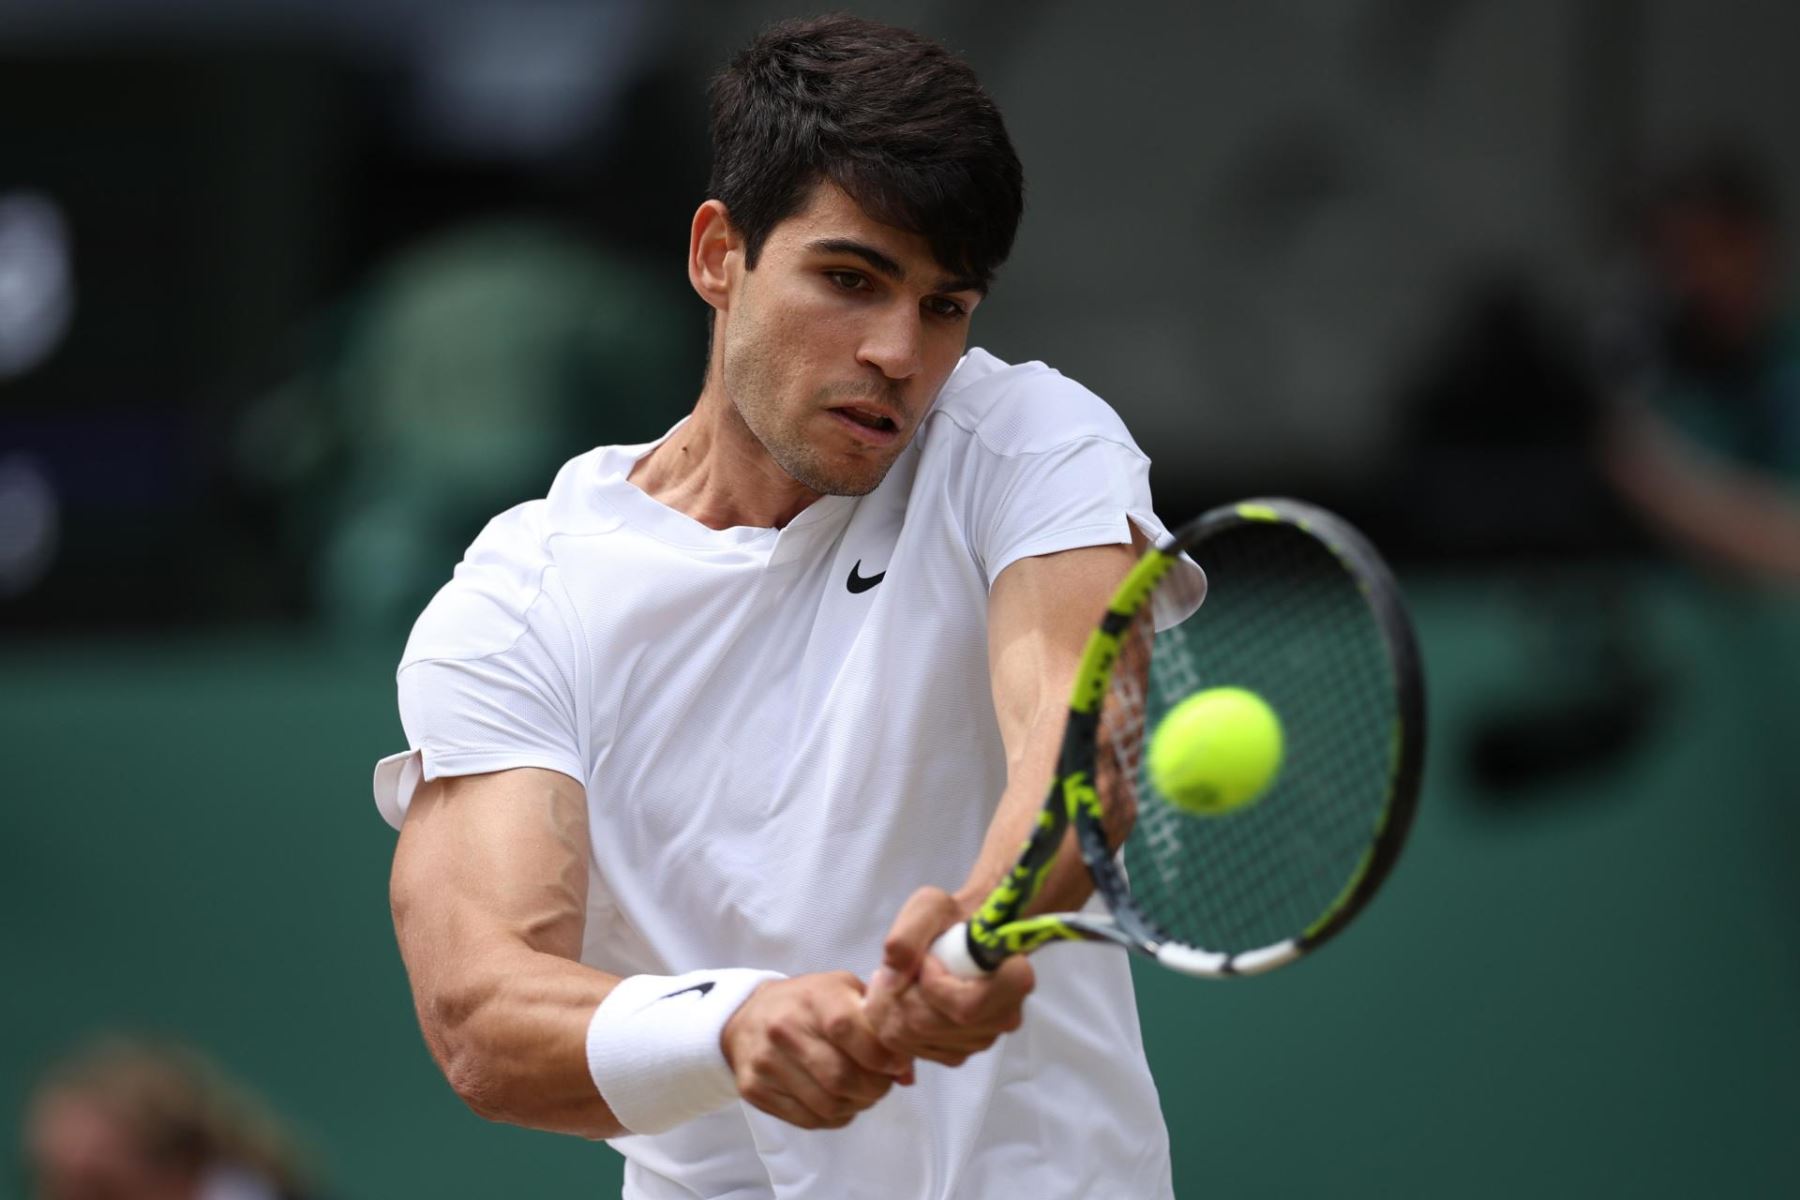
pixel 895 120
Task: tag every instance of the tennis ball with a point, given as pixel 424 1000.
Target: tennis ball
pixel 1216 751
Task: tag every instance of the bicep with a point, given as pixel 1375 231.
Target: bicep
pixel 491 859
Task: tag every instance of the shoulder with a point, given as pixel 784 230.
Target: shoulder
pixel 485 606
pixel 1015 409
pixel 495 593
pixel 1028 462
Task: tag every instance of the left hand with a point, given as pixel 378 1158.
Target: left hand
pixel 919 1008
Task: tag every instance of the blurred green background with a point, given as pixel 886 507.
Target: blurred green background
pixel 294 294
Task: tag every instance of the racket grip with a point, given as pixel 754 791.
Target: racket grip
pixel 952 949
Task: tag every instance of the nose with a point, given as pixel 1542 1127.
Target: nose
pixel 894 343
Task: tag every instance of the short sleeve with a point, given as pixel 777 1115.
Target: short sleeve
pixel 1039 465
pixel 1088 492
pixel 1083 493
pixel 486 683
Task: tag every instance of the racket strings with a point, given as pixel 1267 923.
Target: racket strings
pixel 1286 620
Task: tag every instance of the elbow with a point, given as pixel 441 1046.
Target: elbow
pixel 475 1085
pixel 505 1079
pixel 454 1007
pixel 451 1020
pixel 502 1072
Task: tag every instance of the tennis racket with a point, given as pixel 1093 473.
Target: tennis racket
pixel 1301 610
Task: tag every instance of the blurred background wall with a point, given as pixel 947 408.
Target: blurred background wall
pixel 294 295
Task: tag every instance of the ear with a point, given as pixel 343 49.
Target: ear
pixel 711 243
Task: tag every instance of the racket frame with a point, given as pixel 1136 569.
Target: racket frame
pixel 996 930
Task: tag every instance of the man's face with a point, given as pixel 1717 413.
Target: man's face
pixel 834 347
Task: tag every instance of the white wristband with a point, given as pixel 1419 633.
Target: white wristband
pixel 653 1045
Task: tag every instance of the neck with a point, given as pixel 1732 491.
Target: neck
pixel 717 472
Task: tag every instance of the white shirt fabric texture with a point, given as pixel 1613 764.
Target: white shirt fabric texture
pixel 774 762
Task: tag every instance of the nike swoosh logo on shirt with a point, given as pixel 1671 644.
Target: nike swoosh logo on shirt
pixel 702 988
pixel 857 583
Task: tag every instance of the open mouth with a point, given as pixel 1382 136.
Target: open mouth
pixel 868 420
pixel 867 425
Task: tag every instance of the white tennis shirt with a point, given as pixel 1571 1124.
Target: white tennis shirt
pixel 782 734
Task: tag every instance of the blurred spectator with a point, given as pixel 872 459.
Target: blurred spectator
pixel 1495 463
pixel 1706 440
pixel 1497 469
pixel 122 1119
pixel 450 388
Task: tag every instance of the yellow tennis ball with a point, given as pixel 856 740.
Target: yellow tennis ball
pixel 1216 751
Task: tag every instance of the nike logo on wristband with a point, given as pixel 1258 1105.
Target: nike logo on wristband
pixel 858 583
pixel 702 988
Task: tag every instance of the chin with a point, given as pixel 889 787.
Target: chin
pixel 860 484
pixel 830 480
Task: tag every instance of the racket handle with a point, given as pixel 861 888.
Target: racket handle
pixel 952 949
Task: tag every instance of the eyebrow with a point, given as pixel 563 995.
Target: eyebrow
pixel 884 265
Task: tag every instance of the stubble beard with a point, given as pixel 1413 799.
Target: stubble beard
pixel 752 386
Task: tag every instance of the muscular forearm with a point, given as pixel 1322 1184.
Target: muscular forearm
pixel 1041 613
pixel 489 896
pixel 509 1033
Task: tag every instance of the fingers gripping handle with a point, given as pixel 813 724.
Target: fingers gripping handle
pixel 952 949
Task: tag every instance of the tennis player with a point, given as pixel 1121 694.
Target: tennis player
pixel 729 720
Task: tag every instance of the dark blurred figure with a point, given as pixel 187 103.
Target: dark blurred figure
pixel 1705 370
pixel 122 1119
pixel 1500 418
pixel 1499 475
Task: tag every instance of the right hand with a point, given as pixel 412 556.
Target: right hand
pixel 802 1049
pixel 918 1007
